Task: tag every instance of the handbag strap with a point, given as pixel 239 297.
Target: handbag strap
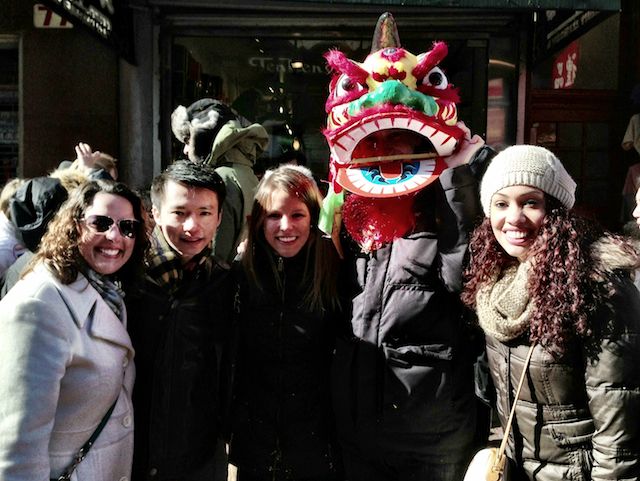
pixel 84 450
pixel 507 428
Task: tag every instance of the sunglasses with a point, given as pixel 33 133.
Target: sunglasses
pixel 103 223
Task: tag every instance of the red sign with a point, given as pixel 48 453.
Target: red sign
pixel 44 17
pixel 565 67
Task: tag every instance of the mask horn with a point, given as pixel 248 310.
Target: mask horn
pixel 385 34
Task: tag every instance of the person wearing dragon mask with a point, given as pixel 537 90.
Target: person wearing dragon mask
pixel 403 182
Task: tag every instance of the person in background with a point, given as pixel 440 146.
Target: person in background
pixel 65 355
pixel 541 276
pixel 90 163
pixel 287 311
pixel 213 133
pixel 631 139
pixel 636 211
pixel 632 230
pixel 33 206
pixel 11 246
pixel 293 157
pixel 37 200
pixel 631 160
pixel 180 315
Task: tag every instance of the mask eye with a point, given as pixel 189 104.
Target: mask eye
pixel 347 85
pixel 435 78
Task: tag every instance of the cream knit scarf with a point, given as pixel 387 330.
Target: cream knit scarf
pixel 503 306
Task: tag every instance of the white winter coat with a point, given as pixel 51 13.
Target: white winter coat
pixel 64 357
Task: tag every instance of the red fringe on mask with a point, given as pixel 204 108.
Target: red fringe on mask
pixel 374 222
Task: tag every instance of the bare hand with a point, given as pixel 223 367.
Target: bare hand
pixel 85 157
pixel 468 147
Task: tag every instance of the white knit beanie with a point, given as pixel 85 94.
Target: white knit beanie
pixel 527 165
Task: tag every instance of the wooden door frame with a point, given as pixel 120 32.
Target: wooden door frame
pixel 584 106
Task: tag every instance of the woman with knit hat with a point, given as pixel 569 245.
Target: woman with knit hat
pixel 539 275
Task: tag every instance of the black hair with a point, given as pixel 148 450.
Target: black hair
pixel 190 174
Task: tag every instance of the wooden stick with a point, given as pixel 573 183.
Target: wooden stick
pixel 391 158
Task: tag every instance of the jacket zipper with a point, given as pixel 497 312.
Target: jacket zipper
pixel 277 461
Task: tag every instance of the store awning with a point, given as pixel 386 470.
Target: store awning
pixel 600 5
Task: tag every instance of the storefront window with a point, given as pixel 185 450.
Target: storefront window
pixel 501 95
pixel 283 83
pixel 8 111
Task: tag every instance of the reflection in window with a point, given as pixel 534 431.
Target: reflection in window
pixel 544 134
pixel 501 101
pixel 8 111
pixel 283 83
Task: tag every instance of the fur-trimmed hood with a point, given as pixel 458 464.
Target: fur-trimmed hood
pixel 235 144
pixel 206 124
pixel 612 254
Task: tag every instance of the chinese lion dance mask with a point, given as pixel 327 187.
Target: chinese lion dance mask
pixel 392 120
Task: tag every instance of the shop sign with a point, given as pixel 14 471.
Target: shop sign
pixel 556 29
pixel 565 67
pixel 107 19
pixel 97 15
pixel 44 17
pixel 285 65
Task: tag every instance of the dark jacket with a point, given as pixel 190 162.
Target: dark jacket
pixel 578 416
pixel 179 340
pixel 33 206
pixel 403 380
pixel 282 426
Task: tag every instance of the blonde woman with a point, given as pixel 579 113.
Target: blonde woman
pixel 288 310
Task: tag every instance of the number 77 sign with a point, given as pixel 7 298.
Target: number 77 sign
pixel 44 17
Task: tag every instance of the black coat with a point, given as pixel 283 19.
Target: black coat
pixel 403 379
pixel 282 423
pixel 179 340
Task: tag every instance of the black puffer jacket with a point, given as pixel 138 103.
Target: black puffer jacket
pixel 282 426
pixel 179 340
pixel 403 381
pixel 578 416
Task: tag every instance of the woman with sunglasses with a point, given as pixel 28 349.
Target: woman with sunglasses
pixel 65 355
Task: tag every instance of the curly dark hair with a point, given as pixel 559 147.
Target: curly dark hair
pixel 59 249
pixel 564 285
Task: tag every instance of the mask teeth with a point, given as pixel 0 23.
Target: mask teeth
pixel 342 146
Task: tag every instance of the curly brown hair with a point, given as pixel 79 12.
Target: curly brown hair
pixel 59 249
pixel 564 286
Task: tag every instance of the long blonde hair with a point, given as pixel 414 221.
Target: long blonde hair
pixel 321 277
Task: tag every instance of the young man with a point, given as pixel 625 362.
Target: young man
pixel 213 133
pixel 178 320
